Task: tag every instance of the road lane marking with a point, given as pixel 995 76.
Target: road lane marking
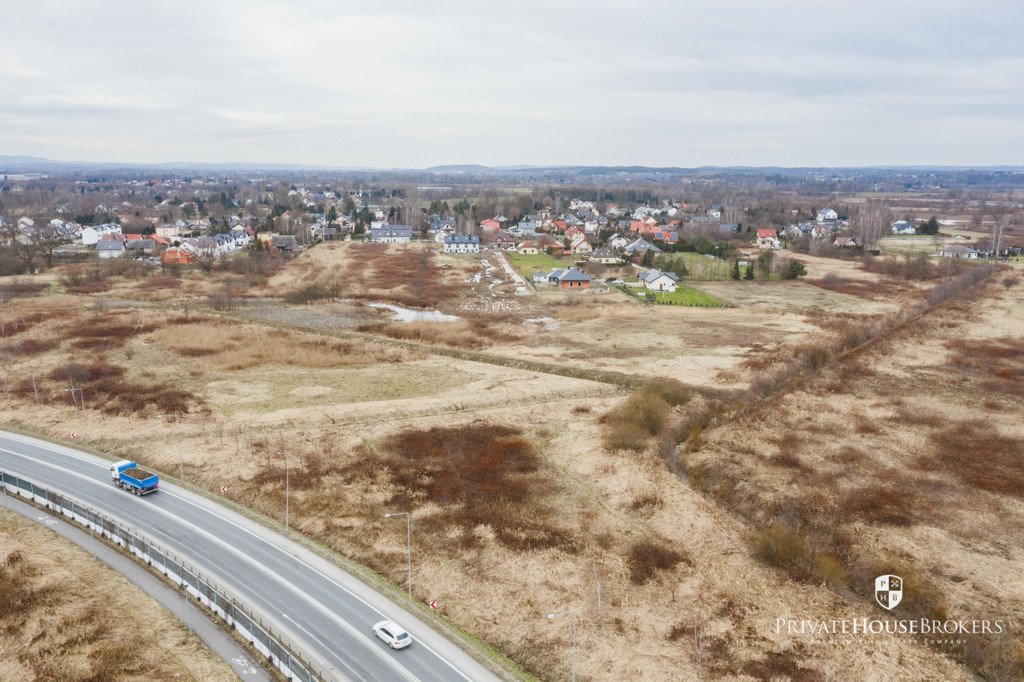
pixel 251 533
pixel 234 550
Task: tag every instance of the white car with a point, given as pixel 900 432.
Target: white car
pixel 392 633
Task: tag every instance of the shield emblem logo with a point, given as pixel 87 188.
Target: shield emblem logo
pixel 888 591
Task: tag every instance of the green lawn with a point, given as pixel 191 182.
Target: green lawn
pixel 542 262
pixel 683 295
pixel 700 267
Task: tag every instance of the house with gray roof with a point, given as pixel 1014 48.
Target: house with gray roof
pixel 391 234
pixel 640 246
pixel 110 248
pixel 958 251
pixel 605 256
pixel 571 278
pixel 656 280
pixel 462 243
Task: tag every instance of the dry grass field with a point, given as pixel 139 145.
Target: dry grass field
pixel 530 491
pixel 905 458
pixel 66 616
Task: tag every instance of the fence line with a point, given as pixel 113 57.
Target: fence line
pixel 240 617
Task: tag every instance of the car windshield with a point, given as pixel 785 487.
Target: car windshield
pixel 403 635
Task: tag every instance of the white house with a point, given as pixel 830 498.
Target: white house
pixel 110 248
pixel 618 242
pixel 958 251
pixel 605 256
pixel 656 280
pixel 92 235
pixel 768 239
pixel 462 243
pixel 902 227
pixel 391 234
pixel 827 215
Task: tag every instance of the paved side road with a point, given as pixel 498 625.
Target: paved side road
pixel 188 613
pixel 327 613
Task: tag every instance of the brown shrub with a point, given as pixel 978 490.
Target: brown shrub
pixel 474 334
pixel 886 504
pixel 106 389
pixel 22 323
pixel 105 332
pixel 672 391
pixel 646 558
pixel 792 551
pixel 30 347
pixel 480 474
pixel 19 597
pixel 625 436
pixel 981 457
pixel 630 425
pixel 786 459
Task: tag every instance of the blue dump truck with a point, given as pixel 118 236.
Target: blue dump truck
pixel 133 478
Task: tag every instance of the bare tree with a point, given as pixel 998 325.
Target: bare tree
pixel 870 223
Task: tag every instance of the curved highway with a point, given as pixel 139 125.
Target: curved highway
pixel 324 610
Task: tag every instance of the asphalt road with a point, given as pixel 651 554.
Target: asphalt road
pixel 328 613
pixel 187 612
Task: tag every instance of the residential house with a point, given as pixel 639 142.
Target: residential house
pixel 846 242
pixel 177 256
pixel 391 234
pixel 639 247
pixel 827 215
pixel 203 246
pixel 540 277
pixel 728 229
pixel 605 256
pixel 820 231
pixel 92 235
pixel 168 230
pixel 903 227
pixel 490 225
pixel 462 243
pixel 571 278
pixel 958 251
pixel 580 246
pixel 527 249
pixel 656 280
pixel 618 242
pixel 768 239
pixel 110 248
pixel 715 212
pixel 284 242
pixel 499 240
pixel 139 247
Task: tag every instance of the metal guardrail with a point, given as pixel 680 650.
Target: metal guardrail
pixel 241 618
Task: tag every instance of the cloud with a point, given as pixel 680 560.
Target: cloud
pixel 405 83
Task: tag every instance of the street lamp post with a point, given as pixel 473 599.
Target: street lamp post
pixel 573 613
pixel 85 424
pixel 408 541
pixel 285 455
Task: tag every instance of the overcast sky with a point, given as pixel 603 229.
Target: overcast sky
pixel 417 83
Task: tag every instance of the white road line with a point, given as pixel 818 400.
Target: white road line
pixel 234 550
pixel 261 539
